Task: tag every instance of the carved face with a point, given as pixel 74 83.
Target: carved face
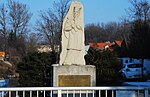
pixel 76 10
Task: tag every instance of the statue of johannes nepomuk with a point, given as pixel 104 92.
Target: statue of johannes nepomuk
pixel 73 48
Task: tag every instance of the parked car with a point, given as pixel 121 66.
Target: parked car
pixel 133 71
pixel 3 83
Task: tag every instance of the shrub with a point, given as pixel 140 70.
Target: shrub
pixel 107 66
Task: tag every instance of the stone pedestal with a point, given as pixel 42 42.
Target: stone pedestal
pixel 74 76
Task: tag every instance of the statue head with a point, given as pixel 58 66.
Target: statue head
pixel 76 0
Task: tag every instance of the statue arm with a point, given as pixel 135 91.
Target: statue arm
pixel 78 25
pixel 68 26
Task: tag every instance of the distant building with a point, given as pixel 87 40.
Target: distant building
pixel 117 42
pixel 2 54
pixel 106 45
pixel 87 48
pixel 47 48
pixel 101 46
pixel 44 48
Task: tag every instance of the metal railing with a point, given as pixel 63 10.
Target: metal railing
pixel 75 92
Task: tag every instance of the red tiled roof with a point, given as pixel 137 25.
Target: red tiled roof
pixel 103 45
pixel 93 44
pixel 118 42
pixel 100 45
pixel 2 54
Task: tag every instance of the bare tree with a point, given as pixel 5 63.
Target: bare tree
pixel 106 32
pixel 61 8
pixel 93 33
pixel 19 17
pixel 50 23
pixel 32 42
pixel 3 24
pixel 48 26
pixel 140 10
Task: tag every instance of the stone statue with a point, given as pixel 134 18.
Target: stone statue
pixel 73 48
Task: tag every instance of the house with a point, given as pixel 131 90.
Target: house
pixel 101 46
pixel 107 45
pixel 2 55
pixel 47 48
pixel 44 48
pixel 117 42
pixel 104 46
pixel 125 60
pixel 87 48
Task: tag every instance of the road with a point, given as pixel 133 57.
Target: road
pixel 139 84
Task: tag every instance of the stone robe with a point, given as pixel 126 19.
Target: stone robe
pixel 73 48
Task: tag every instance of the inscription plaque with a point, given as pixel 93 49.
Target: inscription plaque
pixel 74 80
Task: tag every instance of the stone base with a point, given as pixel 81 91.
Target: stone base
pixel 74 76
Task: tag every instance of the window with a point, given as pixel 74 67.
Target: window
pixel 135 65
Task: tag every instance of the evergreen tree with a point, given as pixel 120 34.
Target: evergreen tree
pixel 107 66
pixel 139 46
pixel 139 40
pixel 35 69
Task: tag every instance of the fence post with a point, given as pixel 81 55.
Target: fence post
pixel 146 93
pixel 2 94
pixel 59 93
